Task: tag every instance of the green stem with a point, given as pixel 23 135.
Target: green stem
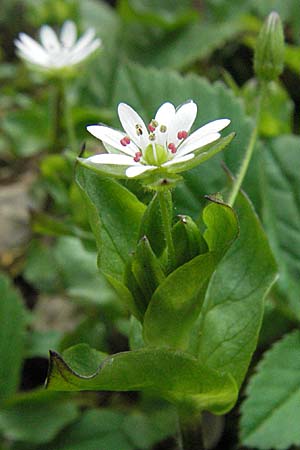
pixel 69 124
pixel 165 199
pixel 248 154
pixel 190 435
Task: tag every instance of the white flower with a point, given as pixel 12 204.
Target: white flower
pixel 57 52
pixel 164 144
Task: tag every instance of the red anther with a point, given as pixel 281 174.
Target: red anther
pixel 172 147
pixel 127 139
pixel 137 156
pixel 151 128
pixel 182 134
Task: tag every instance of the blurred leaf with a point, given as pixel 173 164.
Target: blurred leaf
pixel 39 342
pixel 232 313
pixel 271 411
pixel 12 332
pixel 281 214
pixel 176 376
pixel 36 417
pixel 91 331
pixel 27 129
pixel 177 301
pixel 277 108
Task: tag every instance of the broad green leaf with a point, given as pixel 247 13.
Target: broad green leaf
pixel 271 411
pixel 115 219
pixel 12 333
pixel 176 303
pixel 281 215
pixel 36 417
pixel 232 312
pixel 176 376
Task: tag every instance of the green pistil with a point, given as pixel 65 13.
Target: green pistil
pixel 155 155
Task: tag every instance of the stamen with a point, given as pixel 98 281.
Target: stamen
pixel 137 157
pixel 139 129
pixel 154 123
pixel 152 137
pixel 163 128
pixel 172 147
pixel 151 128
pixel 182 134
pixel 125 141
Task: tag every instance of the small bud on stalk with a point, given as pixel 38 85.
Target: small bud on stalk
pixel 269 50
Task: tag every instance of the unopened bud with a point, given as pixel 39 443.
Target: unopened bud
pixel 269 50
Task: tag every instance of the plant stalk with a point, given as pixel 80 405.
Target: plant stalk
pixel 69 124
pixel 248 154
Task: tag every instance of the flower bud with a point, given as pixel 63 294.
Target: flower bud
pixel 269 50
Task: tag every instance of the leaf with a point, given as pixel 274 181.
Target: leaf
pixel 271 411
pixel 176 303
pixel 176 376
pixel 144 274
pixel 152 225
pixel 232 312
pixel 51 411
pixel 12 333
pixel 281 206
pixel 115 218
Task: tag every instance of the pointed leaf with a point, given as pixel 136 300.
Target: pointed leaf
pixel 232 312
pixel 176 376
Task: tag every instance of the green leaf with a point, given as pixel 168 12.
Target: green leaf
pixel 281 215
pixel 188 241
pixel 115 218
pixel 152 224
pixel 144 274
pixel 176 376
pixel 232 312
pixel 12 332
pixel 176 303
pixel 36 417
pixel 271 411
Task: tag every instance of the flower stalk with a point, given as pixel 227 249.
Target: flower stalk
pixel 165 198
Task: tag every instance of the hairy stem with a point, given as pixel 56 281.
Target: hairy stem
pixel 56 103
pixel 69 124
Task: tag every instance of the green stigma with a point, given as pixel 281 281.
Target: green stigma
pixel 155 154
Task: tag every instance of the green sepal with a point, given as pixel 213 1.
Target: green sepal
pixel 144 274
pixel 202 155
pixel 188 241
pixel 175 376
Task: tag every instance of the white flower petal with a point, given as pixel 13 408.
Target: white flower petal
pixel 164 116
pixel 184 118
pixel 112 137
pixel 129 120
pixel 179 159
pixel 84 40
pixel 111 158
pixel 31 48
pixel 49 39
pixel 76 57
pixel 210 127
pixel 195 144
pixel 68 34
pixel 138 169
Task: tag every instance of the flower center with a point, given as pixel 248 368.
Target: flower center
pixel 155 154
